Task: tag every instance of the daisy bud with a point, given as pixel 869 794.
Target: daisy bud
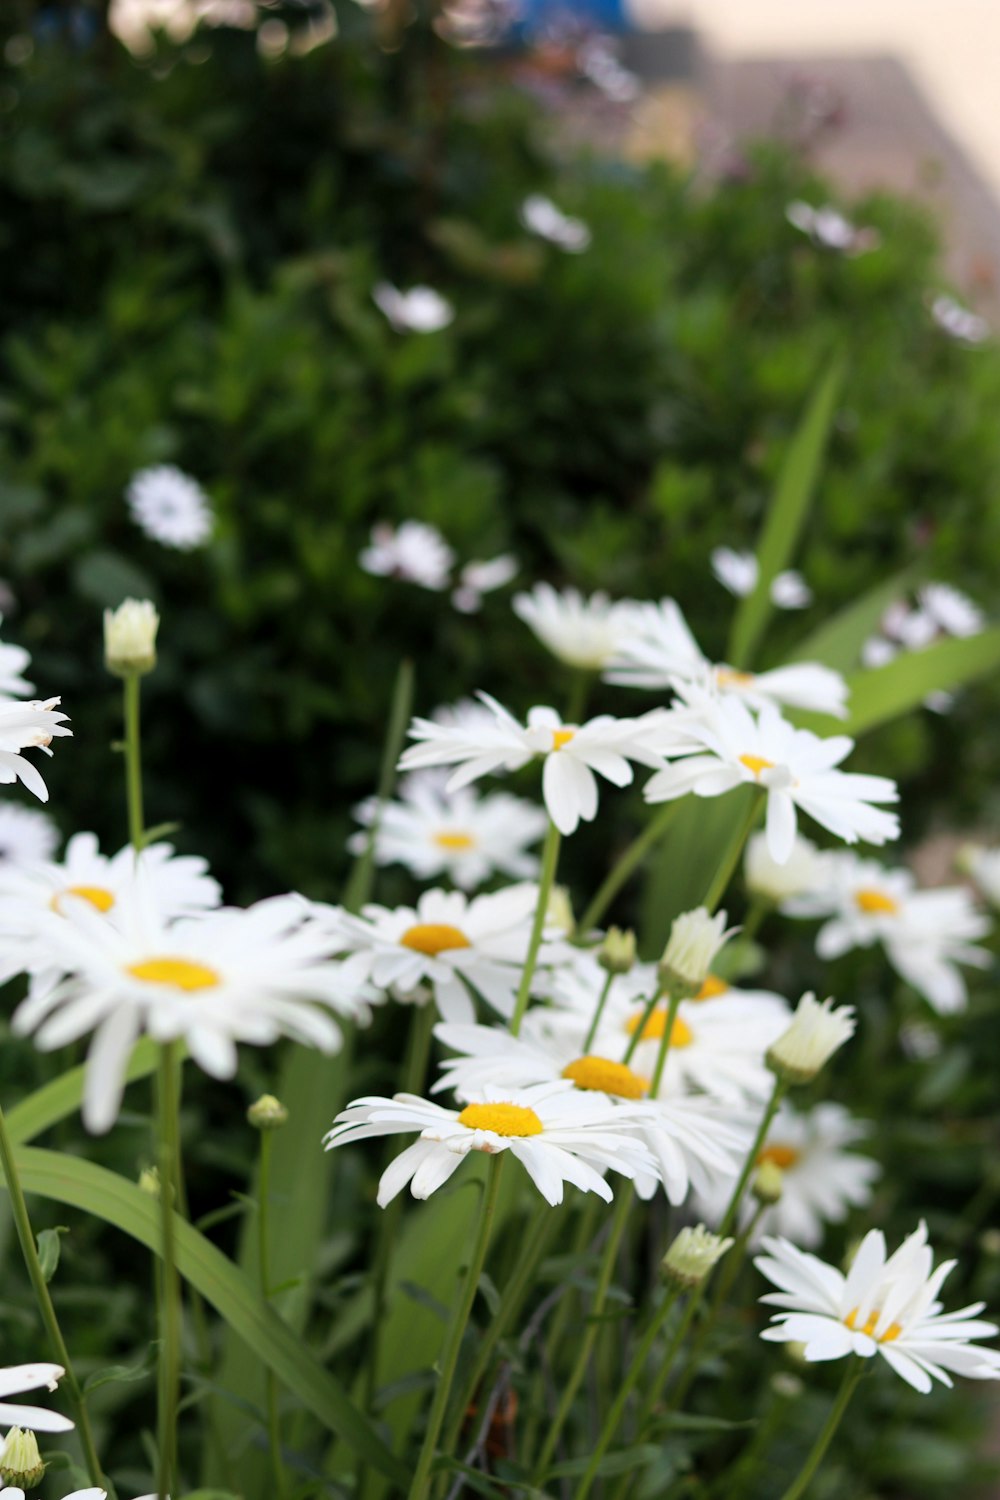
pixel 20 1462
pixel 786 1385
pixel 617 953
pixel 149 1181
pixel 816 1032
pixel 692 1256
pixel 268 1113
pixel 560 910
pixel 695 939
pixel 769 1183
pixel 130 638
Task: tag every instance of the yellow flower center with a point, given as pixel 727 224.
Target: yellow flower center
pixel 874 902
pixel 779 1156
pixel 502 1119
pixel 681 1034
pixel 561 737
pixel 756 763
pixel 98 897
pixel 712 988
pixel 729 677
pixel 454 841
pixel 433 938
pixel 182 973
pixel 606 1077
pixel 892 1332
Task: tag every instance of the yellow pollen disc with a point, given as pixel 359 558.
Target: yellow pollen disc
pixel 98 897
pixel 502 1119
pixel 873 902
pixel 561 737
pixel 757 763
pixel 606 1077
pixel 681 1034
pixel 779 1156
pixel 712 988
pixel 454 840
pixel 433 938
pixel 182 973
pixel 729 677
pixel 892 1332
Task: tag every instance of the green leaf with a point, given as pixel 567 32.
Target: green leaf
pixel 838 642
pixel 884 694
pixel 48 1250
pixel 786 515
pixel 623 1462
pixel 81 1184
pixel 120 1374
pixel 61 1098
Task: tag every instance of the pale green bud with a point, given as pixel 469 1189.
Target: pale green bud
pixel 268 1113
pixel 20 1462
pixel 692 1256
pixel 617 952
pixel 130 638
pixel 695 939
pixel 769 1183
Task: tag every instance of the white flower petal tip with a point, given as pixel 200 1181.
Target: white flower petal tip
pixel 540 216
pixel 412 552
pixel 419 310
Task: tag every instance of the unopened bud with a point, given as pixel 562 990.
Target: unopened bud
pixel 692 1256
pixel 20 1461
pixel 786 1385
pixel 769 1183
pixel 268 1113
pixel 149 1181
pixel 559 912
pixel 617 953
pixel 130 638
pixel 695 939
pixel 815 1033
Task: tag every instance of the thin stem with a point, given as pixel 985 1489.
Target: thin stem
pixel 729 1217
pixel 853 1373
pixel 760 908
pixel 628 864
pixel 577 700
pixel 170 1311
pixel 133 762
pixel 264 1269
pixel 550 859
pixel 633 1373
pixel 731 858
pixel 29 1249
pixel 596 1020
pixel 535 1406
pixel 673 1004
pixel 420 1483
pixel 359 884
pixel 623 1204
pixel 655 1387
pixel 639 1031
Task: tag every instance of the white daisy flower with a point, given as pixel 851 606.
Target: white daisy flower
pixel 224 977
pixel 573 753
pixel 17 1378
pixel 829 229
pixel 983 866
pixel 885 1306
pixel 820 1179
pixel 738 572
pixel 448 944
pixel 26 726
pixel 170 506
pixel 467 714
pixel 958 322
pixel 26 835
pixel 14 660
pixel 541 216
pixel 692 1140
pixel 802 871
pixel 468 838
pixel 925 934
pixel 795 768
pixel 479 578
pixel 582 632
pixel 659 651
pixel 557 1133
pixel 878 652
pixel 413 551
pixel 953 612
pixel 420 310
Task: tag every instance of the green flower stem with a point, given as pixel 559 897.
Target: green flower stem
pixel 853 1373
pixel 760 909
pixel 623 1205
pixel 731 858
pixel 29 1249
pixel 359 884
pixel 264 1269
pixel 596 1020
pixel 628 864
pixel 673 1004
pixel 586 1228
pixel 170 1309
pixel 133 762
pixel 578 693
pixel 655 1387
pixel 634 1372
pixel 640 1030
pixel 550 859
pixel 420 1484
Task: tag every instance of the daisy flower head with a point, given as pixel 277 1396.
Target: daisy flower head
pixel 14 660
pixel 170 507
pixel 926 934
pixel 26 835
pixel 224 977
pixel 794 768
pixel 958 322
pixel 412 552
pixel 582 632
pixel 479 578
pixel 130 637
pixel 816 1032
pixel 693 946
pixel 540 216
pixel 574 754
pixel 693 1255
pixel 885 1305
pixel 659 651
pixel 953 612
pixel 25 726
pixel 827 227
pixel 419 310
pixel 448 945
pixel 17 1378
pixel 458 834
pixel 738 572
pixel 983 867
pixel 557 1133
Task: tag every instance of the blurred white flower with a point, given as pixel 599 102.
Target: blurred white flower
pixel 953 612
pixel 878 652
pixel 170 506
pixel 479 578
pixel 26 835
pixel 413 551
pixel 420 310
pixel 802 871
pixel 983 865
pixel 581 631
pixel 958 322
pixel 28 726
pixel 738 572
pixel 13 661
pixel 597 61
pixel 827 227
pixel 541 216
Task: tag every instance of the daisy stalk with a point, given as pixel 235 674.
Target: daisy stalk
pixel 852 1375
pixel 362 875
pixel 546 880
pixel 264 1270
